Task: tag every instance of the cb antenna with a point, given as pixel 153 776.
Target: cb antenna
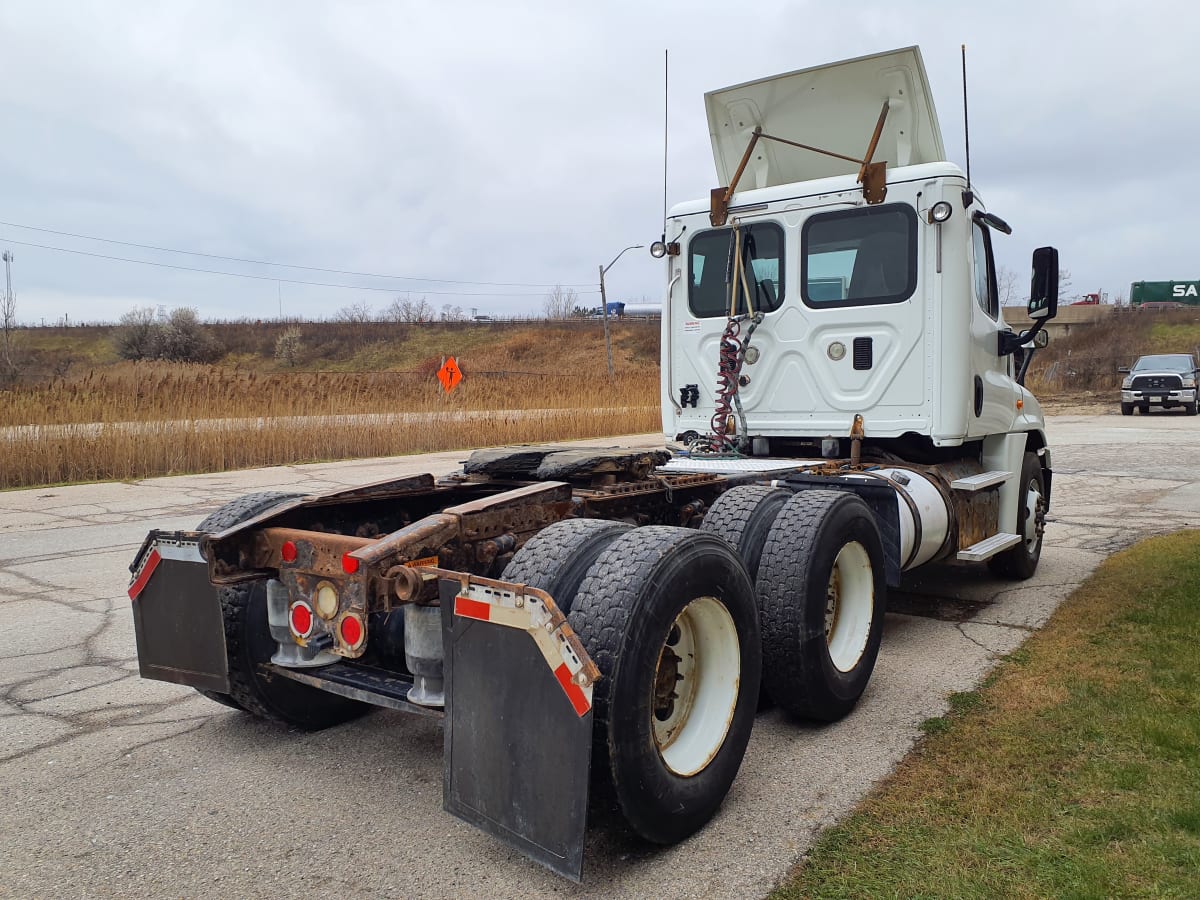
pixel 968 196
pixel 666 110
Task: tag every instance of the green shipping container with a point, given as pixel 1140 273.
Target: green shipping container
pixel 1187 292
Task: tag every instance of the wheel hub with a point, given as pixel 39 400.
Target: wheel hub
pixel 833 595
pixel 695 687
pixel 1035 515
pixel 665 681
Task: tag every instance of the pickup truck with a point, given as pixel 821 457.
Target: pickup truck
pixel 1164 380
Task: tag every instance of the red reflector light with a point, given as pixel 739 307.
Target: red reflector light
pixel 302 619
pixel 349 564
pixel 351 631
pixel 288 551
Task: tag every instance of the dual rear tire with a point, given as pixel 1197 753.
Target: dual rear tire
pixel 671 617
pixel 668 616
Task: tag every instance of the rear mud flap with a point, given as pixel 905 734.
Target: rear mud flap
pixel 176 614
pixel 518 734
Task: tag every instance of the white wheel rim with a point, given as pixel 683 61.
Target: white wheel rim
pixel 1035 516
pixel 696 684
pixel 849 606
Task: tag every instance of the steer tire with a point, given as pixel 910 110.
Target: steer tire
pixel 1127 409
pixel 1021 561
pixel 821 599
pixel 743 516
pixel 669 610
pixel 1190 408
pixel 558 557
pixel 248 643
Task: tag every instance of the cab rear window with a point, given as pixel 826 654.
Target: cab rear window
pixel 858 257
pixel 709 256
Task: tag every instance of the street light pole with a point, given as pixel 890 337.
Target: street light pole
pixel 604 305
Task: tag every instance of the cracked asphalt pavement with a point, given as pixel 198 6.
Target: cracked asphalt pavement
pixel 117 786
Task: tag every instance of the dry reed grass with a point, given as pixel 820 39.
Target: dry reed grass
pixel 135 420
pixel 79 453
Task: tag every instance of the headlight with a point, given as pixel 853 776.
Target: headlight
pixel 1189 381
pixel 1126 384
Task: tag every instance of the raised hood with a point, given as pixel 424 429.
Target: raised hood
pixel 833 107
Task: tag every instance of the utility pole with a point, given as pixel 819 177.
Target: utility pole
pixel 604 305
pixel 9 315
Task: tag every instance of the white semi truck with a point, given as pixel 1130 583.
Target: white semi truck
pixel 842 402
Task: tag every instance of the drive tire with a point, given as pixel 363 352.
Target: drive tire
pixel 819 533
pixel 1021 561
pixel 667 763
pixel 1127 409
pixel 558 557
pixel 248 642
pixel 1144 409
pixel 743 516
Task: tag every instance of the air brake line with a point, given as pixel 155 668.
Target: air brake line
pixel 732 347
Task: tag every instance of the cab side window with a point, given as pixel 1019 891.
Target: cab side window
pixel 986 293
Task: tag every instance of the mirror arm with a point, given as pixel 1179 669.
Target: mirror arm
pixel 1020 377
pixel 1010 341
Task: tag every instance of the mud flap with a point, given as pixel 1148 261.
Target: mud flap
pixel 518 728
pixel 176 613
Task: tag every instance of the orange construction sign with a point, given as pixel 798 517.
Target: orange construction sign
pixel 450 374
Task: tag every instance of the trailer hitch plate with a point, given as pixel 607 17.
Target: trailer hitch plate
pixel 518 726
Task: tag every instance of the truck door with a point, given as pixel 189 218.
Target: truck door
pixel 993 392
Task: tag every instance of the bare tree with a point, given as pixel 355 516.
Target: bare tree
pixel 406 309
pixel 358 313
pixel 144 333
pixel 182 338
pixel 1064 284
pixel 1007 281
pixel 451 313
pixel 560 303
pixel 136 334
pixel 288 346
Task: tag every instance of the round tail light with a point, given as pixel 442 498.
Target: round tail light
pixel 351 631
pixel 288 551
pixel 301 619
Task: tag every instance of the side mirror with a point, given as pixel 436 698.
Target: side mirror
pixel 1124 369
pixel 1040 340
pixel 1043 289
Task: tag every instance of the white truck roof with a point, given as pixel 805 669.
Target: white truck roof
pixel 834 107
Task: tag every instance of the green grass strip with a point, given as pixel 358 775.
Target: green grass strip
pixel 1074 771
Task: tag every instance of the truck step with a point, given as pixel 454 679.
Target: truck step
pixel 979 482
pixel 989 547
pixel 359 682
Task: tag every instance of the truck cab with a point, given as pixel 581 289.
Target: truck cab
pixel 885 308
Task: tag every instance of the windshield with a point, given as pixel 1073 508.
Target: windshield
pixel 1167 362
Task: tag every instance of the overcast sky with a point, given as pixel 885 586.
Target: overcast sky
pixel 522 142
